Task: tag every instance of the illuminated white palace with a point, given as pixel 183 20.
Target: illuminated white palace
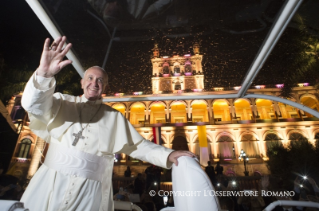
pixel 231 125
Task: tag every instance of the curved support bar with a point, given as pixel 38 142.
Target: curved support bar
pixel 126 205
pixel 170 97
pixel 137 208
pixel 291 203
pixel 52 29
pixel 9 205
pixel 289 102
pixel 278 28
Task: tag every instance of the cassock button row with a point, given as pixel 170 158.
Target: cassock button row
pixel 66 202
pixel 69 192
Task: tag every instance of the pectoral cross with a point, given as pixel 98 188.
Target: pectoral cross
pixel 77 136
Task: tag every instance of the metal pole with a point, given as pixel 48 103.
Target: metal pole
pixel 209 96
pixel 109 48
pixel 285 101
pixel 278 28
pixel 291 203
pixel 52 29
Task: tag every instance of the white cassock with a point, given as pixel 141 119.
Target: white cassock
pixel 79 177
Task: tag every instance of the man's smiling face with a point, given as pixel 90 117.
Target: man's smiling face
pixel 93 83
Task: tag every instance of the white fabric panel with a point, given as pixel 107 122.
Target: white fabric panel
pixel 9 205
pixel 189 177
pixel 168 209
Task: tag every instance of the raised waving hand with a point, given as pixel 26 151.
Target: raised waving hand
pixel 52 57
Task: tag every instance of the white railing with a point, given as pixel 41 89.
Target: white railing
pixel 291 203
pixel 8 205
pixel 126 205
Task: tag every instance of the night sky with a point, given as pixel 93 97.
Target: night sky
pixel 230 34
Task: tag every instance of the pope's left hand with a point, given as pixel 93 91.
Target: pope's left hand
pixel 176 154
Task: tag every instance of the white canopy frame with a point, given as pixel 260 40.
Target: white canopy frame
pixel 288 11
pixel 53 30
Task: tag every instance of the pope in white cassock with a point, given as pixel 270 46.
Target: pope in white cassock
pixel 83 134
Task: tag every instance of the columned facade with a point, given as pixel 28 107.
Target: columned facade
pixel 231 125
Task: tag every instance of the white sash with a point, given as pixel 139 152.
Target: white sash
pixel 74 162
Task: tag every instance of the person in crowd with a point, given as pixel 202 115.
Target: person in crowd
pixel 219 169
pixel 127 172
pixel 149 177
pixel 139 184
pixel 122 195
pixel 209 169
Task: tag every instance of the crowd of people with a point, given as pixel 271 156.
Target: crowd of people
pixel 214 173
pixel 138 191
pixel 305 189
pixel 11 188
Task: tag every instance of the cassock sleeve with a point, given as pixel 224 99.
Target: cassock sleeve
pixel 145 150
pixel 37 100
pixel 150 152
pixel 123 138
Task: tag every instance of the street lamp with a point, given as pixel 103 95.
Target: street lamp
pixel 246 160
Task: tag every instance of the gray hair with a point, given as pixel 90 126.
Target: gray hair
pixel 106 77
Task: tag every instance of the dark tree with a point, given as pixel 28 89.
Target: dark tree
pixel 298 158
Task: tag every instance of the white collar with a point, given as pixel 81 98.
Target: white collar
pixel 85 100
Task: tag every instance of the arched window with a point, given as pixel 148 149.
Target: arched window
pixel 120 107
pixel 272 140
pixel 177 69
pixel 178 86
pixel 249 145
pixel 25 146
pixel 311 102
pixel 221 110
pixel 296 137
pixel 265 109
pixel 157 113
pixel 288 111
pixel 178 112
pixel 199 111
pixel 165 68
pixel 137 114
pixel 188 66
pixel 225 146
pixel 180 143
pixel 243 110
